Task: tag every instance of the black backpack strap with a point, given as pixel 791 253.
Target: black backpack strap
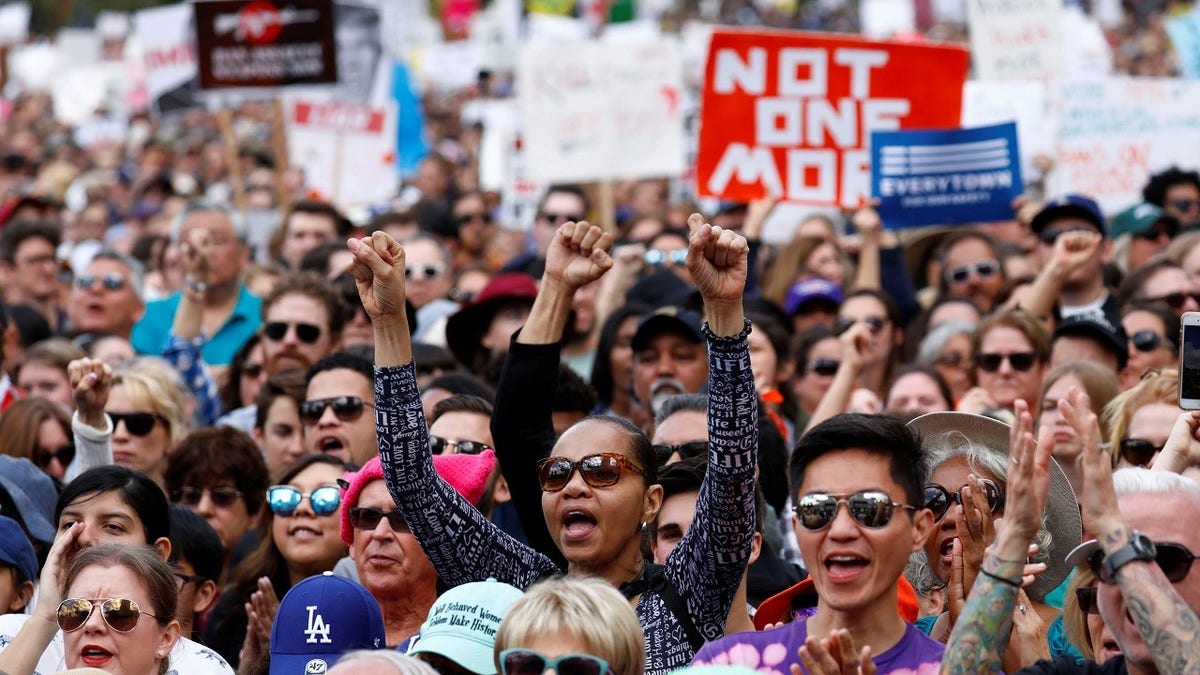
pixel 655 579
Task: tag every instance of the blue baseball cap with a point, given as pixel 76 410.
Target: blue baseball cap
pixel 16 549
pixel 808 290
pixel 1070 206
pixel 320 619
pixel 462 624
pixel 33 493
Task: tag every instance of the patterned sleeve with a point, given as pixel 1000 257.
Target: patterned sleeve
pixel 184 355
pixel 462 545
pixel 707 565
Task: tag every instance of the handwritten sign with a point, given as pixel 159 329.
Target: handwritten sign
pixel 1026 103
pixel 790 113
pixel 168 45
pixel 594 111
pixel 945 177
pixel 1185 37
pixel 1016 39
pixel 1114 133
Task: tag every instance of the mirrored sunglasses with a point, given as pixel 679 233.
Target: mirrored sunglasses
pixel 285 499
pixel 870 508
pixel 529 662
pixel 438 445
pixel 120 614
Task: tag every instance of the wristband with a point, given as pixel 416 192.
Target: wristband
pixel 1003 580
pixel 713 337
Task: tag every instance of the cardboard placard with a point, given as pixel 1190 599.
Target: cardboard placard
pixel 1016 39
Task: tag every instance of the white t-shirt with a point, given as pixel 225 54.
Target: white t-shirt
pixel 187 657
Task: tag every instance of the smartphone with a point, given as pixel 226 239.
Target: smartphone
pixel 1189 361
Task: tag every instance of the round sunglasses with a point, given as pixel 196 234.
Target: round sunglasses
pixel 529 662
pixel 1175 561
pixel 346 408
pixel 120 614
pixel 1147 341
pixel 602 469
pixel 438 445
pixel 869 508
pixel 938 499
pixel 285 499
pixel 307 333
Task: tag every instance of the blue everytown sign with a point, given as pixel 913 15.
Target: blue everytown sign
pixel 945 177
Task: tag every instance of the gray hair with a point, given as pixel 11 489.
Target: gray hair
pixel 236 221
pixel 1136 480
pixel 137 272
pixel 403 663
pixel 680 403
pixel 935 340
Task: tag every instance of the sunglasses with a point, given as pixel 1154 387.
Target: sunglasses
pixel 1148 341
pixel 663 451
pixel 64 454
pixel 110 282
pixel 676 257
pixel 875 322
pixel 1087 600
pixel 120 614
pixel 468 218
pixel 1139 451
pixel 346 408
pixel 938 498
pixel 305 332
pixel 950 359
pixel 221 497
pixel 1175 560
pixel 602 469
pixel 529 662
pixel 1048 237
pixel 438 445
pixel 984 269
pixel 252 370
pixel 425 272
pixel 826 367
pixel 1176 300
pixel 189 579
pixel 285 499
pixel 1020 361
pixel 1185 204
pixel 1164 228
pixel 559 218
pixel 368 519
pixel 870 508
pixel 138 423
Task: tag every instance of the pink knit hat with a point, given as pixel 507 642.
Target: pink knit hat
pixel 466 473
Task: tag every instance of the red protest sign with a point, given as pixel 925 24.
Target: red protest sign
pixel 791 113
pixel 334 116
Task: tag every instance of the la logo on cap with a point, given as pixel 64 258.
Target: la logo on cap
pixel 316 626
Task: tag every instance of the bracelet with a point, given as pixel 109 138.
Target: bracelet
pixel 1003 580
pixel 727 339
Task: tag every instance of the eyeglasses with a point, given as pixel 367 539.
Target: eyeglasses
pixel 1175 300
pixel 1148 341
pixel 368 519
pixel 876 324
pixel 1175 560
pixel 467 218
pixel 1087 600
pixel 346 408
pixel 305 332
pixel 529 662
pixel 559 218
pixel 221 497
pixel 110 282
pixel 425 272
pixel 438 445
pixel 285 499
pixel 1048 237
pixel 120 614
pixel 984 269
pixel 825 366
pixel 64 454
pixel 676 257
pixel 1185 204
pixel 1020 361
pixel 138 423
pixel 938 498
pixel 870 508
pixel 252 370
pixel 1139 451
pixel 189 579
pixel 950 359
pixel 663 451
pixel 602 469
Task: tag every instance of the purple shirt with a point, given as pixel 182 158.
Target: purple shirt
pixel 774 651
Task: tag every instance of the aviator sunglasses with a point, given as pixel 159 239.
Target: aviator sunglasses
pixel 870 508
pixel 120 614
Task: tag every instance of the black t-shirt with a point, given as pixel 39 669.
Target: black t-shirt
pixel 1067 665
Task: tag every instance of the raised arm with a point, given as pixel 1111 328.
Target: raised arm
pixel 186 337
pixel 709 562
pixel 90 426
pixel 853 342
pixel 522 423
pixel 22 654
pixel 462 545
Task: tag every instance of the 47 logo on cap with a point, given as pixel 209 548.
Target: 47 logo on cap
pixel 316 626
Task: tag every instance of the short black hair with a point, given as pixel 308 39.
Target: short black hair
pixel 341 224
pixel 208 457
pixel 136 489
pixel 464 403
pixel 195 541
pixel 572 394
pixel 687 475
pixel 880 435
pixel 343 359
pixel 463 383
pixel 1155 191
pixel 17 233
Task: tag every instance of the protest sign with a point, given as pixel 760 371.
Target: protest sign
pixel 168 49
pixel 1026 103
pixel 1114 133
pixel 1016 39
pixel 347 151
pixel 790 113
pixel 945 177
pixel 594 111
pixel 1185 37
pixel 14 22
pixel 257 43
